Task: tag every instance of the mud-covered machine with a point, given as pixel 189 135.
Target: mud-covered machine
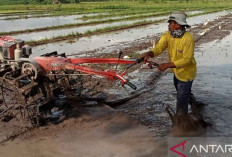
pixel 27 84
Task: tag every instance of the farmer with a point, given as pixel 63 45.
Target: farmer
pixel 180 45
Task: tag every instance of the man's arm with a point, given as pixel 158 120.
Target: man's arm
pixel 165 66
pixel 159 48
pixel 161 67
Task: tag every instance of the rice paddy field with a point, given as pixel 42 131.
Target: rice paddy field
pixel 41 24
pixel 140 126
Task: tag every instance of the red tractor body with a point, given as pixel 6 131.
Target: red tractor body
pixel 27 84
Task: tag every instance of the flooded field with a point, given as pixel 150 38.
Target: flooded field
pixel 32 23
pixel 116 41
pixel 214 82
pixel 123 20
pixel 140 126
pixel 83 29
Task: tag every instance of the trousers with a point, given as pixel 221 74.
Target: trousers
pixel 183 90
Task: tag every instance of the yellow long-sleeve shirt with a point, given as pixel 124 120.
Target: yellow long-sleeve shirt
pixel 181 53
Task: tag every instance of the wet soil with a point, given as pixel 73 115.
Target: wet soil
pixel 138 127
pixel 97 131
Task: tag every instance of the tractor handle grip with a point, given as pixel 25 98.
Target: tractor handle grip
pixel 137 61
pixel 140 60
pixel 155 64
pixel 131 85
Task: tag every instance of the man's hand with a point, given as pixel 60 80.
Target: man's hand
pixel 165 66
pixel 148 54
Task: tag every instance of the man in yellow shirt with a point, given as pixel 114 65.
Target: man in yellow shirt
pixel 180 45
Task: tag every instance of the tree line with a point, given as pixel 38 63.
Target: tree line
pixel 15 2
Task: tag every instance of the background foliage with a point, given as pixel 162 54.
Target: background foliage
pixel 15 2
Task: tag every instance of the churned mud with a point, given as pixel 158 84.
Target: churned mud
pixel 97 131
pixel 140 126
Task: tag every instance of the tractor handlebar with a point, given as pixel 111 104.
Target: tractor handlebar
pixel 131 85
pixel 136 62
pixel 139 60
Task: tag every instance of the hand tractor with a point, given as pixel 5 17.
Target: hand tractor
pixel 27 83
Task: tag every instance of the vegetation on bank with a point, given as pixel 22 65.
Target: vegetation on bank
pixel 114 6
pixel 16 2
pixel 108 8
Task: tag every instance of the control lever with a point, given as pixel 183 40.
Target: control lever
pixel 119 56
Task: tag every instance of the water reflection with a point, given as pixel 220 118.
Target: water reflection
pixel 115 40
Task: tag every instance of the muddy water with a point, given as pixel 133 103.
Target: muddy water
pixel 40 22
pixel 44 15
pixel 83 29
pixel 214 84
pixel 14 17
pixel 54 33
pixel 32 23
pixel 2 17
pixel 112 41
pixel 149 108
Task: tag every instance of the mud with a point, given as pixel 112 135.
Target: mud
pixel 137 127
pixel 106 133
